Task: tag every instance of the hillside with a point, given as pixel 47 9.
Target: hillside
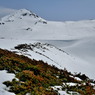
pixel 37 77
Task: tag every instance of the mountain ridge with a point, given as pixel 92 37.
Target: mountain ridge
pixel 19 14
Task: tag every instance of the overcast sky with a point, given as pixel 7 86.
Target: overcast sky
pixel 59 10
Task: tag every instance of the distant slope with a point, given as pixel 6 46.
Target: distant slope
pixel 24 24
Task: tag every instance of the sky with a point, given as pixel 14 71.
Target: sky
pixel 55 10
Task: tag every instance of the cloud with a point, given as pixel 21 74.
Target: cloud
pixel 5 11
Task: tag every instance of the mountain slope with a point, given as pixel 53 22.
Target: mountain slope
pixel 37 78
pixel 50 54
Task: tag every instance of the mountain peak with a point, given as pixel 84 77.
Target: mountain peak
pixel 25 12
pixel 21 14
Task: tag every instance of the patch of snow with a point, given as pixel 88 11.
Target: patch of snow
pixel 56 87
pixel 70 84
pixel 65 93
pixel 77 78
pixel 62 92
pixel 4 76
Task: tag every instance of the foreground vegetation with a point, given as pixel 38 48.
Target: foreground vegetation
pixel 36 77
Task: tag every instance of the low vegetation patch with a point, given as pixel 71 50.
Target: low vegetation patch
pixel 37 78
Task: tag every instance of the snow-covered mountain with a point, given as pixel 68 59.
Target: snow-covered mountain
pixel 30 26
pixel 18 23
pixel 69 44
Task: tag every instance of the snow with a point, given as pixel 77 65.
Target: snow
pixel 77 78
pixel 63 93
pixel 59 89
pixel 70 84
pixel 4 76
